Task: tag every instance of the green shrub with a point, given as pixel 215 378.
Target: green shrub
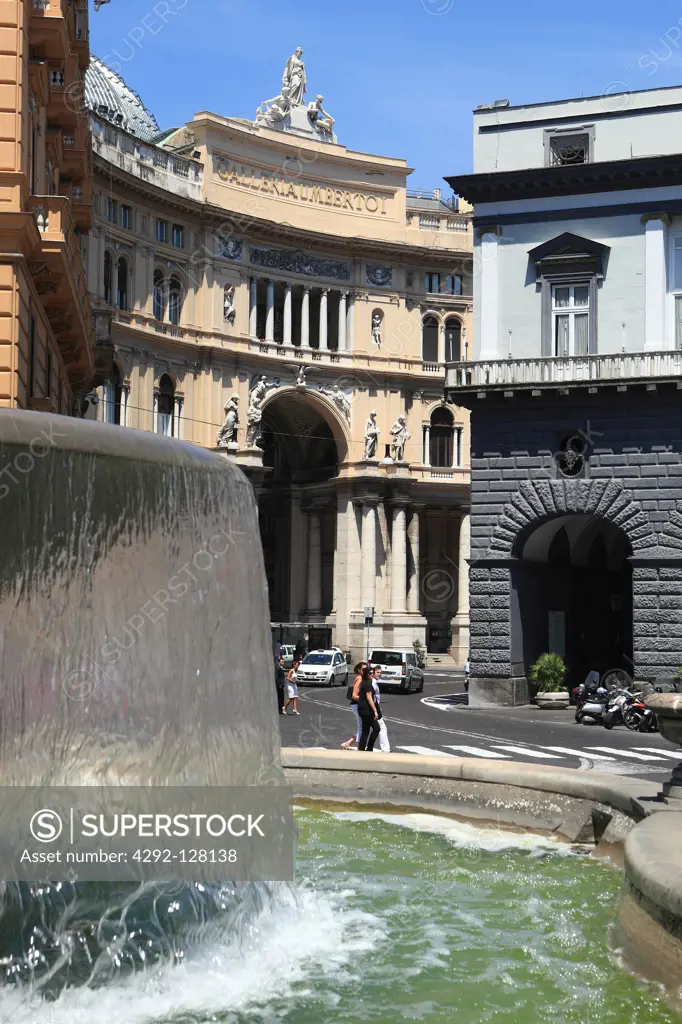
pixel 548 673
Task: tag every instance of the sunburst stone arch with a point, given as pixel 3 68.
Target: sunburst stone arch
pixel 283 402
pixel 537 501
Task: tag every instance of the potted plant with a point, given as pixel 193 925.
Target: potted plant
pixel 548 674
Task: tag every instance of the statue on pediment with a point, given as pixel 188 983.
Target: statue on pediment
pixel 319 117
pixel 294 79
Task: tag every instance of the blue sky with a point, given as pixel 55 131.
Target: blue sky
pixel 401 77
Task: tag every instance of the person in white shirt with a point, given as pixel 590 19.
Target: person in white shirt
pixel 384 745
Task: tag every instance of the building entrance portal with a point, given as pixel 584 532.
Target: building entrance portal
pixel 572 587
pixel 297 507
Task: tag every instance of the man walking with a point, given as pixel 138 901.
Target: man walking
pixel 301 648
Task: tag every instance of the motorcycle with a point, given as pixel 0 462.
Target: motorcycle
pixel 592 702
pixel 613 715
pixel 638 717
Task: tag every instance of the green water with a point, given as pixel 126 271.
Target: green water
pixel 458 933
pixel 408 918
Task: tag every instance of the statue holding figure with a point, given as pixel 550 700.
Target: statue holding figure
pixel 229 311
pixel 371 437
pixel 294 79
pixel 400 437
pixel 319 117
pixel 254 414
pixel 376 328
pixel 227 433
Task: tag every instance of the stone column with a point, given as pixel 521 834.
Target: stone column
pixel 460 623
pixel 488 281
pixel 655 337
pixel 314 562
pixel 427 445
pixel 323 320
pixel 350 322
pixel 398 559
pixel 305 316
pixel 342 321
pixel 253 307
pixel 178 424
pixel 286 327
pixel 369 553
pixel 413 563
pixel 270 312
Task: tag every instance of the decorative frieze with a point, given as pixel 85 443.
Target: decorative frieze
pixel 230 248
pixel 295 261
pixel 379 276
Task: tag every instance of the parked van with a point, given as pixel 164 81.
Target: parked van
pixel 399 668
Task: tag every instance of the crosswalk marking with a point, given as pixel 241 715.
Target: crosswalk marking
pixel 626 754
pixel 476 751
pixel 527 753
pixel 580 753
pixel 428 751
pixel 676 755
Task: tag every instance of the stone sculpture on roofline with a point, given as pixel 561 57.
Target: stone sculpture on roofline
pixel 288 111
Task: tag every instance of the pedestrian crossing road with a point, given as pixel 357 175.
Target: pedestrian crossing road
pixel 439 723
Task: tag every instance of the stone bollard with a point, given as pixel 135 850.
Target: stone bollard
pixel 668 709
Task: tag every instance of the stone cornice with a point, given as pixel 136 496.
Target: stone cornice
pixel 577 179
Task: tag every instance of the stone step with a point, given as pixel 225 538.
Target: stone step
pixel 440 661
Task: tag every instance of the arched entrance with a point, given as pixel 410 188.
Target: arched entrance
pixel 303 444
pixel 572 586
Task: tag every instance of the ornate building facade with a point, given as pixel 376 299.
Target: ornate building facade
pixel 290 303
pixel 47 343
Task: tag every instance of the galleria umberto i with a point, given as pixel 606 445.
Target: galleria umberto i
pixel 289 303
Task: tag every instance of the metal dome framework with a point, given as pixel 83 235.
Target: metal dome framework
pixel 107 96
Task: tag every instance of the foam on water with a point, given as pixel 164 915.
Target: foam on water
pixel 307 932
pixel 465 835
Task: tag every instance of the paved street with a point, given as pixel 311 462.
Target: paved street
pixel 439 722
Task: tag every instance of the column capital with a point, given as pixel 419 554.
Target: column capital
pixel 400 500
pixel 325 291
pixel 664 217
pixel 306 288
pixel 366 498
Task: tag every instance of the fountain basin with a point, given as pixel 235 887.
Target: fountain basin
pixel 619 816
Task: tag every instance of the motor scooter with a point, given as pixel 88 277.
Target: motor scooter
pixel 593 705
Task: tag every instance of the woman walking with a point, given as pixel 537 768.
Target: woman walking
pixel 292 689
pixel 353 696
pixel 368 712
pixel 384 745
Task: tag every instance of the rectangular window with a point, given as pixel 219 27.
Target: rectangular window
pixel 454 284
pixel 564 148
pixel 571 316
pixel 126 219
pixel 161 231
pixel 111 211
pixel 178 236
pixel 432 283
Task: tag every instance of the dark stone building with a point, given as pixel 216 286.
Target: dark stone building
pixel 575 391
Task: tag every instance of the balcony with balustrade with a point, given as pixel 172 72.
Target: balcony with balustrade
pixel 59 277
pixel 593 373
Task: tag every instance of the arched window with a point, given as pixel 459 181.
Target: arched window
pixel 440 441
pixel 430 339
pixel 122 283
pixel 107 277
pixel 174 301
pixel 165 406
pixel 112 397
pixel 453 340
pixel 159 296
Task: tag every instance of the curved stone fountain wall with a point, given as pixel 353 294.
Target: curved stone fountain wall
pixel 133 611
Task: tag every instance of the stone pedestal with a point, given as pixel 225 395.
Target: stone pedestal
pixel 668 708
pixel 492 693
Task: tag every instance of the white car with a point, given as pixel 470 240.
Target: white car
pixel 399 668
pixel 326 668
pixel 287 653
